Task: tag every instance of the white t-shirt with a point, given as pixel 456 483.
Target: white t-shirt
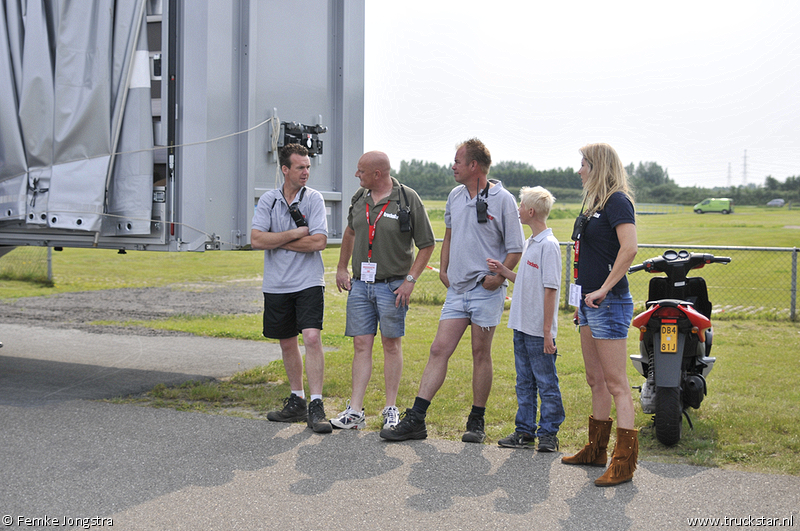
pixel 539 268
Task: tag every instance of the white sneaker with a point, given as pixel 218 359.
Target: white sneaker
pixel 350 419
pixel 391 416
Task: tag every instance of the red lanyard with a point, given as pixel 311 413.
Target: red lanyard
pixel 575 263
pixel 372 228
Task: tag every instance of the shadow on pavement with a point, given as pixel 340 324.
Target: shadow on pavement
pixel 28 382
pixel 326 463
pixel 81 457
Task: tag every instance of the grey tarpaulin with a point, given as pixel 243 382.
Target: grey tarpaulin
pixel 71 96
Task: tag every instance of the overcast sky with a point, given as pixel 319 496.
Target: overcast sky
pixel 690 85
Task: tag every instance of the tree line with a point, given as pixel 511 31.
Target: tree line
pixel 650 182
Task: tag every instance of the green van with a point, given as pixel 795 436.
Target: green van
pixel 714 204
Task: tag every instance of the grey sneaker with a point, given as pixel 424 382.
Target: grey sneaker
pixel 294 410
pixel 518 439
pixel 391 416
pixel 317 420
pixel 411 426
pixel 475 433
pixel 548 442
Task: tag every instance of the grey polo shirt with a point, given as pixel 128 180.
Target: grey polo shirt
pixel 471 243
pixel 289 271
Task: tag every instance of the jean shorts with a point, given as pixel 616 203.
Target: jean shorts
pixel 371 303
pixel 611 319
pixel 481 306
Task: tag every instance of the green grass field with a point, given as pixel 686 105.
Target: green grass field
pixel 747 422
pixel 754 284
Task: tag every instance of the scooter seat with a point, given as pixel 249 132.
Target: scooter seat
pixel 669 302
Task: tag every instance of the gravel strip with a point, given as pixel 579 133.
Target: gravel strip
pixel 77 310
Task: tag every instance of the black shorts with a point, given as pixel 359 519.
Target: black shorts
pixel 288 314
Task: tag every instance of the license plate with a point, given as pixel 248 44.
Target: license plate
pixel 669 338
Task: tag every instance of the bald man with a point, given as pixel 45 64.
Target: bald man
pixel 386 220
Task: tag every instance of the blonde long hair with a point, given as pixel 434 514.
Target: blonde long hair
pixel 606 176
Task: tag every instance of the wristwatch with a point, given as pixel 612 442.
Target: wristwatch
pixel 411 279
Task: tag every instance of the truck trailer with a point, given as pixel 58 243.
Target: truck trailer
pixel 154 125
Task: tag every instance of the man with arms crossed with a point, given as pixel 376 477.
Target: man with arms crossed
pixel 481 221
pixel 290 225
pixel 385 221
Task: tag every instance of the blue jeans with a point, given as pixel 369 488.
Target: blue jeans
pixel 536 374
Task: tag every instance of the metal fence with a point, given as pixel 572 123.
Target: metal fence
pixel 27 263
pixel 758 282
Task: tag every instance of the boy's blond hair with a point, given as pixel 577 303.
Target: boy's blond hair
pixel 537 198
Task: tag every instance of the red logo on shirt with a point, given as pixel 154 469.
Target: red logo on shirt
pixel 533 265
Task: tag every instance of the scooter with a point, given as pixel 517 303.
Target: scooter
pixel 674 341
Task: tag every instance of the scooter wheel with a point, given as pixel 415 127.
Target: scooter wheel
pixel 669 415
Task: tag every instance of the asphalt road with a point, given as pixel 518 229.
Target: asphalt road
pixel 67 457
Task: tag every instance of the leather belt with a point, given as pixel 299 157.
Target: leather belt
pixel 383 280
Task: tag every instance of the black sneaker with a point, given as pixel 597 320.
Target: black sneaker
pixel 411 426
pixel 294 410
pixel 475 433
pixel 518 439
pixel 317 420
pixel 548 443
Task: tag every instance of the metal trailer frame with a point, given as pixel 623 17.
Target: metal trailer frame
pixel 224 75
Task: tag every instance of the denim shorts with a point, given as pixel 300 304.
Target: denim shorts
pixel 481 306
pixel 611 319
pixel 371 303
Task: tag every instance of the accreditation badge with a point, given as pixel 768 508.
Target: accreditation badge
pixel 574 295
pixel 368 271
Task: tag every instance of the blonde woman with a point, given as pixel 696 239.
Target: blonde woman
pixel 605 247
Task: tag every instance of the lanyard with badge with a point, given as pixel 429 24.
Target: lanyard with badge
pixel 577 231
pixel 368 268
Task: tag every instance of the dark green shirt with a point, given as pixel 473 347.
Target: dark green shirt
pixel 392 250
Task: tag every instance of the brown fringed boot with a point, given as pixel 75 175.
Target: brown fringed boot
pixel 623 462
pixel 596 452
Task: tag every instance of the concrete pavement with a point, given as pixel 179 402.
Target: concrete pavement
pixel 65 455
